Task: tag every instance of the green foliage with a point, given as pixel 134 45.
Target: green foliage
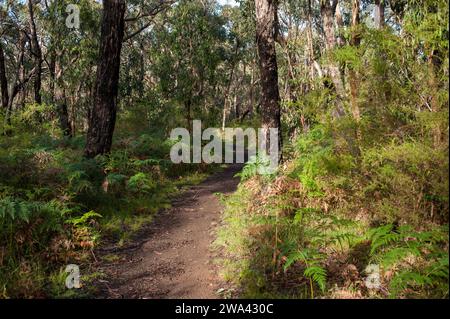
pixel 79 182
pixel 391 248
pixel 256 165
pixel 56 206
pixel 200 47
pixel 317 158
pixel 318 275
pixel 9 208
pixel 326 207
pixel 83 219
pixel 115 179
pixel 140 182
pixel 313 270
pixel 398 169
pixel 313 224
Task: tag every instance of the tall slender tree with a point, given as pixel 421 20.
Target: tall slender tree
pixel 3 79
pixel 266 28
pixel 60 95
pixel 103 114
pixel 379 14
pixel 36 52
pixel 355 40
pixel 328 11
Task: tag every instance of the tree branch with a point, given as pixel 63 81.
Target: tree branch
pixel 161 6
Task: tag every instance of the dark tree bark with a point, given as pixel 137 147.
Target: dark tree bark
pixel 266 17
pixel 60 97
pixel 141 70
pixel 3 79
pixel 51 69
pixel 18 80
pixel 103 115
pixel 37 54
pixel 188 108
pixel 251 107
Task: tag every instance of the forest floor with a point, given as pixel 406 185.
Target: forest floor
pixel 171 257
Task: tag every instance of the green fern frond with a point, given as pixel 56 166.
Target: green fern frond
pixel 392 256
pixel 318 275
pixel 294 257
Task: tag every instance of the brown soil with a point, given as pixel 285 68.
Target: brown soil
pixel 172 257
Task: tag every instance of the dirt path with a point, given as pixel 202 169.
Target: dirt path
pixel 174 259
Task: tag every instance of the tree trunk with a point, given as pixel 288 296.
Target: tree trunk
pixel 16 84
pixel 251 107
pixel 309 37
pixel 328 10
pixel 379 14
pixel 225 110
pixel 266 16
pixel 340 26
pixel 353 76
pixel 60 97
pixel 141 71
pixel 103 115
pixel 434 58
pixel 3 79
pixel 355 41
pixel 51 68
pixel 237 110
pixel 37 54
pixel 188 108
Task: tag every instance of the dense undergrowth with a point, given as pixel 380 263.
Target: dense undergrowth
pixel 359 208
pixel 56 207
pixel 314 229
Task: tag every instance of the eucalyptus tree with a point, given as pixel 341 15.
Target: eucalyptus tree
pixel 266 26
pixel 187 49
pixel 113 32
pixel 103 116
pixel 36 51
pixel 3 79
pixel 239 65
pixel 15 71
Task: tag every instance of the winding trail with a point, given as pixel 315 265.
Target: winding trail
pixel 173 259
